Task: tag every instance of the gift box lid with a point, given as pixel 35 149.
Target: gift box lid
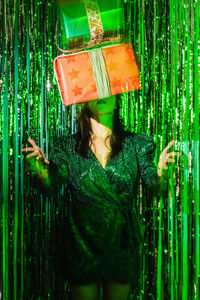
pixel 81 17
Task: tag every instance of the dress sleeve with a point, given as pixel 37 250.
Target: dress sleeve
pixel 57 168
pixel 145 152
pixel 58 158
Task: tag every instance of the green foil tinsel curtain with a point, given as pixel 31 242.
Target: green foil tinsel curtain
pixel 165 35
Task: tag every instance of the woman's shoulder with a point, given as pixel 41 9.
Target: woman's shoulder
pixel 139 137
pixel 62 141
pixel 133 137
pixel 141 141
pixel 65 137
pixel 61 146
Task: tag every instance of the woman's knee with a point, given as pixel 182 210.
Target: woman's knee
pixel 85 292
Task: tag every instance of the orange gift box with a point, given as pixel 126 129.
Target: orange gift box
pixel 97 73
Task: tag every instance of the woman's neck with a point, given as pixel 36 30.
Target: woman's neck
pixel 102 128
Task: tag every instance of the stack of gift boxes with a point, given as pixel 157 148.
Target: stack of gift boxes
pixel 97 63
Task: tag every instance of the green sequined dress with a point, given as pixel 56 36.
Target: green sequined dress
pixel 102 234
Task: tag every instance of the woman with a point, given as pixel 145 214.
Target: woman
pixel 101 165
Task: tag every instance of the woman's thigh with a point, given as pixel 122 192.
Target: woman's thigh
pixel 85 292
pixel 113 290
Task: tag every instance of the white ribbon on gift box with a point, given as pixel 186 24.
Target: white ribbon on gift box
pixel 100 73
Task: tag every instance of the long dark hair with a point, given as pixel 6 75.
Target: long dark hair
pixel 84 131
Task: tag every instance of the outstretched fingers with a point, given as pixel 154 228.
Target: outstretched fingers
pixel 174 153
pixel 32 142
pixel 32 154
pixel 43 155
pixel 27 149
pixel 37 151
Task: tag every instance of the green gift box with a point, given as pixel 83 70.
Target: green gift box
pixel 82 18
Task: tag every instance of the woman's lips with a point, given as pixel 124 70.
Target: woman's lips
pixel 101 101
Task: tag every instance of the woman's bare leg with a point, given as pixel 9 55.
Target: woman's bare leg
pixel 113 290
pixel 85 292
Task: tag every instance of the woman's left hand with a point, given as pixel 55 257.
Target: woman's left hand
pixel 165 158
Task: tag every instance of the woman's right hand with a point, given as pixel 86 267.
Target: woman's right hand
pixel 38 154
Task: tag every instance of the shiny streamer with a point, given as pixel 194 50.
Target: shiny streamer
pixel 166 38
